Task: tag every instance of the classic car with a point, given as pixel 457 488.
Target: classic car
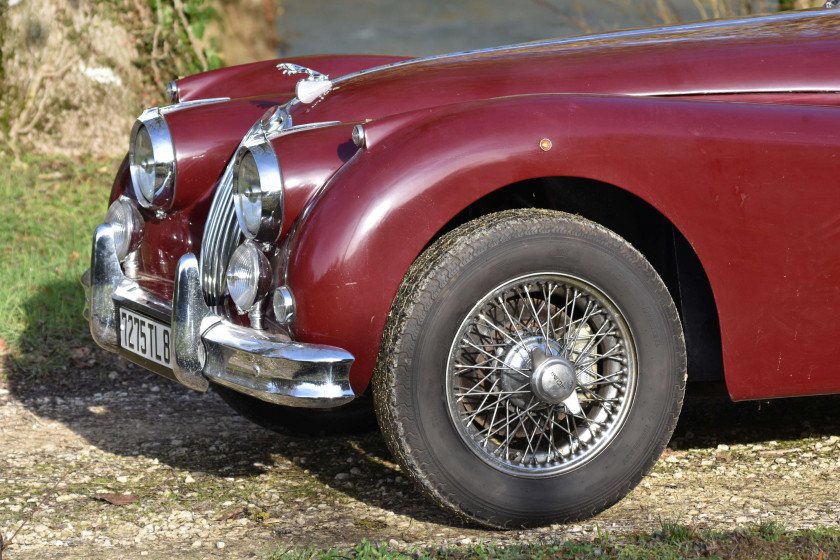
pixel 516 256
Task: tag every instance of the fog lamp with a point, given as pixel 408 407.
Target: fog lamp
pixel 127 225
pixel 248 276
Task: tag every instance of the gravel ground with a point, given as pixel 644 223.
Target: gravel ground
pixel 205 483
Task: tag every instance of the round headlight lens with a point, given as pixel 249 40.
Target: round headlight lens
pixel 258 193
pixel 144 162
pixel 248 193
pixel 127 225
pixel 151 159
pixel 248 276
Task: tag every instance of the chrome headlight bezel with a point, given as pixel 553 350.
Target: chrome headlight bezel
pixel 153 181
pixel 260 214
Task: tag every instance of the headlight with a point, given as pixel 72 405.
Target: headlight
pixel 258 192
pixel 152 161
pixel 127 224
pixel 248 276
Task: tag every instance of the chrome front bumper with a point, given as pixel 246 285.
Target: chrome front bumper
pixel 207 348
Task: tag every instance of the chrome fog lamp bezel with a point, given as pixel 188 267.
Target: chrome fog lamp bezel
pixel 271 193
pixel 262 279
pixel 153 121
pixel 130 229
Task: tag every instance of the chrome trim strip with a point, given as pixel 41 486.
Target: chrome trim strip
pixel 299 128
pixel 733 91
pixel 193 103
pixel 584 38
pixel 268 366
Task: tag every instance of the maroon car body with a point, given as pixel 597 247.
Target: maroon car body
pixel 712 149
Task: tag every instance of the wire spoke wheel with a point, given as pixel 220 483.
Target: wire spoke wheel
pixel 541 374
pixel 532 369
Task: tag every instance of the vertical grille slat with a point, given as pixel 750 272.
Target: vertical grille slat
pixel 221 235
pixel 221 232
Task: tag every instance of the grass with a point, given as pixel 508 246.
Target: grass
pixel 49 209
pixel 673 541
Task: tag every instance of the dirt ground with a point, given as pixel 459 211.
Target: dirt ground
pixel 204 483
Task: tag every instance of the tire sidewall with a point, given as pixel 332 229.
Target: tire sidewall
pixel 575 248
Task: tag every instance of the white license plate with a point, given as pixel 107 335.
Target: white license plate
pixel 145 337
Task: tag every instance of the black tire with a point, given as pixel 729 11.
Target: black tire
pixel 453 360
pixel 355 417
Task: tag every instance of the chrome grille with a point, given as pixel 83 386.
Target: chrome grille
pixel 221 236
pixel 221 232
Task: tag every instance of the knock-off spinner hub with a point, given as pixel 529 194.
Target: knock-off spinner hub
pixel 553 378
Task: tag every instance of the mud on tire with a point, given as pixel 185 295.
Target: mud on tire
pixel 532 369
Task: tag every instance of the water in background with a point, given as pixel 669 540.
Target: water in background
pixel 427 27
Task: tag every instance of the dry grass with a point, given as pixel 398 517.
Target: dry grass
pixel 70 84
pixel 75 73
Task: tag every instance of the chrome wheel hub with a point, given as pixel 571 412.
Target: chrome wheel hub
pixel 541 375
pixel 553 379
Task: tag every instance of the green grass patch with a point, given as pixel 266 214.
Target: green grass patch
pixel 673 541
pixel 49 211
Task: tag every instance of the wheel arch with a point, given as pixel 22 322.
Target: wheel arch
pixel 644 227
pixel 351 246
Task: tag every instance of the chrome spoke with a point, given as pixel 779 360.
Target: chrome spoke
pixel 492 357
pixel 505 339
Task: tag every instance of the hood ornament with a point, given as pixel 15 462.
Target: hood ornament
pixel 308 89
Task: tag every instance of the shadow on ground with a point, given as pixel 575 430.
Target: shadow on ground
pixel 122 409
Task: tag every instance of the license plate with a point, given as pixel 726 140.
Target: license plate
pixel 145 337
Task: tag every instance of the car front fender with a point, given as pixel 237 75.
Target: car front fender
pixel 724 174
pixel 357 239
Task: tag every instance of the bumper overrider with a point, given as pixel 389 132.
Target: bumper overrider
pixel 203 346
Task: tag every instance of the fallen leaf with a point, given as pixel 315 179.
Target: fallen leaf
pixel 4 346
pixel 231 514
pixel 116 499
pixel 80 353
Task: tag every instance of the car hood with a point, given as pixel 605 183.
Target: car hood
pixel 779 53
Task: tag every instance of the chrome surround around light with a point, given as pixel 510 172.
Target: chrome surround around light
pixel 359 138
pixel 250 251
pixel 269 193
pixel 162 168
pixel 283 303
pixel 134 226
pixel 172 92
